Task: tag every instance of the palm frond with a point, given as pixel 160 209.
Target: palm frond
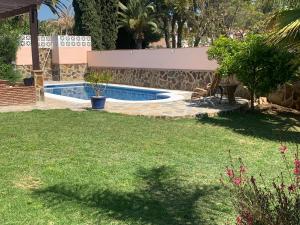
pixel 285 28
pixel 56 6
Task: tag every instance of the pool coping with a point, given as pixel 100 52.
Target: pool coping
pixel 174 95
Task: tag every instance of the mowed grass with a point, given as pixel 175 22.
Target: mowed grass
pixel 64 167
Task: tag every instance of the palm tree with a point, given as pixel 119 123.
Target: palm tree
pixel 55 6
pixel 66 22
pixel 137 17
pixel 286 24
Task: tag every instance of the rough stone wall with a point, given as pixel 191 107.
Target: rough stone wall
pixel 45 64
pixel 167 79
pixel 69 72
pixel 287 95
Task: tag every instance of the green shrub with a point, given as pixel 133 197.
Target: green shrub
pixel 9 44
pixel 7 72
pixel 262 67
pixel 259 66
pixel 223 50
pixel 260 202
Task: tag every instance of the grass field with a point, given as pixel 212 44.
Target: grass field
pixel 64 167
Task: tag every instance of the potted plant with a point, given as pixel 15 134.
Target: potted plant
pixel 99 81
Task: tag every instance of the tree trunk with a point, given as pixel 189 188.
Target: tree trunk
pixel 173 32
pixel 180 34
pixel 252 99
pixel 139 43
pixel 167 32
pixel 197 41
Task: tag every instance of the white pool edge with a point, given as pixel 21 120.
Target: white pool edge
pixel 173 95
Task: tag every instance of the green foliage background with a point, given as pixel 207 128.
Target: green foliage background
pixel 98 19
pixel 9 44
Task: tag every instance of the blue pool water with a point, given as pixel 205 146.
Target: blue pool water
pixel 85 91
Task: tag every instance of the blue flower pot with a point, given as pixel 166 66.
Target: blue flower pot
pixel 98 102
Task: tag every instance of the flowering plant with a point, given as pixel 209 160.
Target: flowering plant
pixel 262 204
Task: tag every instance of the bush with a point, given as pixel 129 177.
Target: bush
pixel 8 73
pixel 261 204
pixel 223 50
pixel 262 67
pixel 9 43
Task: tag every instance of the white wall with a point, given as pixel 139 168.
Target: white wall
pixel 184 59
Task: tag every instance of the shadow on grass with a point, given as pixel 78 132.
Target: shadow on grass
pixel 160 200
pixel 285 128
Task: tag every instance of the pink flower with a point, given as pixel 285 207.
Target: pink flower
pixel 242 169
pixel 239 220
pixel 297 167
pixel 297 163
pixel 230 173
pixel 250 219
pixel 283 149
pixel 297 171
pixel 237 181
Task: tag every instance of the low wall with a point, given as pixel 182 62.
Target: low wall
pixel 25 67
pixel 164 59
pixel 181 69
pixel 61 57
pixel 17 95
pixel 158 78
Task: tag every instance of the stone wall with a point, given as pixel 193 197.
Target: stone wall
pixel 156 78
pixel 68 72
pixel 45 64
pixel 55 72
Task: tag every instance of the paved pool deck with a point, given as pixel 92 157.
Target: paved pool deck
pixel 175 109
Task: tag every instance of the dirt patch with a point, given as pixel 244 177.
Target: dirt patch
pixel 28 183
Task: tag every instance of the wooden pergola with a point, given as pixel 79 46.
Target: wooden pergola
pixel 9 8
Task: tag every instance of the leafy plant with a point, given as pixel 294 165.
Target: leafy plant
pixel 286 26
pixel 137 16
pixel 8 73
pixel 9 44
pixel 262 67
pixel 277 203
pixel 98 80
pixel 223 51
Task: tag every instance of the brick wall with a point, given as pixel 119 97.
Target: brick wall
pixel 17 95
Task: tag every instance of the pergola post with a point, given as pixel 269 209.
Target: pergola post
pixel 36 70
pixel 34 37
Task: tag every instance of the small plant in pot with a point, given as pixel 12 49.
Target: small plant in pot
pixel 99 81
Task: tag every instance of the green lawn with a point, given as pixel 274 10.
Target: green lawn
pixel 64 167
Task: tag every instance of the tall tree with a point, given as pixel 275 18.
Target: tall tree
pixel 108 13
pixel 137 17
pixel 87 21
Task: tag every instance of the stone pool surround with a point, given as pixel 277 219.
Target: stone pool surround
pixel 186 80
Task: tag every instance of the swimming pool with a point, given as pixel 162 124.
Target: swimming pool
pixel 84 91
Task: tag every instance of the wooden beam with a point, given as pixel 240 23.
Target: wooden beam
pixel 15 12
pixel 33 17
